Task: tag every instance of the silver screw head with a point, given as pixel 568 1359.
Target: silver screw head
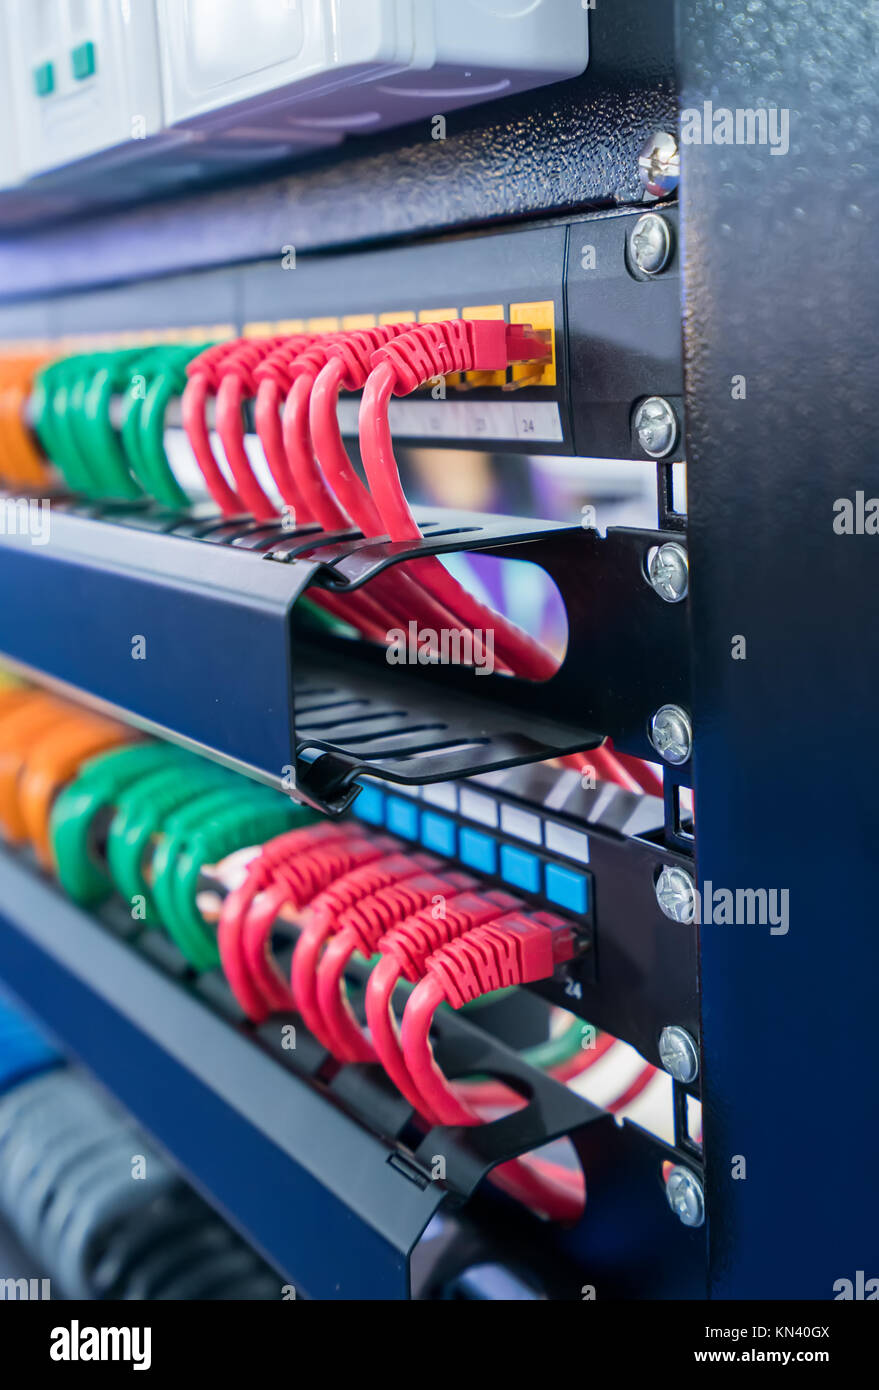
pixel 685 1196
pixel 668 571
pixel 656 427
pixel 676 894
pixel 659 164
pixel 677 1051
pixel 650 243
pixel 671 734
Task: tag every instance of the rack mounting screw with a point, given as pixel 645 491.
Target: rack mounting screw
pixel 678 1054
pixel 671 734
pixel 659 164
pixel 685 1196
pixel 676 894
pixel 668 571
pixel 656 427
pixel 650 243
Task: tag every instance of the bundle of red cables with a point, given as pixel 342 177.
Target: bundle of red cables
pixel 351 891
pixel 316 478
pixel 296 382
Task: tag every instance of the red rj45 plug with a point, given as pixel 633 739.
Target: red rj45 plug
pixel 325 916
pixel 262 874
pixel 400 366
pixel 298 882
pixel 405 952
pixel 360 927
pixel 518 949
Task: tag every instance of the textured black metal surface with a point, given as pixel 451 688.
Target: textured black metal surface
pixel 780 288
pixel 572 145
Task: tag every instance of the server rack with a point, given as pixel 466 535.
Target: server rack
pixel 764 565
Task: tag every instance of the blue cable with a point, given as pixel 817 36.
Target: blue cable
pixel 24 1052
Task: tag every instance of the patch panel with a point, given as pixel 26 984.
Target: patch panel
pixel 581 401
pixel 488 852
pixel 591 853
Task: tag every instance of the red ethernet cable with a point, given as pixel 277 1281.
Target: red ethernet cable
pixel 404 950
pixel 310 424
pixel 314 444
pixel 519 949
pixel 239 363
pixel 342 370
pixel 367 928
pixel 346 357
pixel 236 383
pixel 232 374
pixel 488 1095
pixel 254 366
pixel 302 373
pixel 238 378
pixel 261 364
pixel 288 870
pixel 401 366
pixel 260 876
pixel 264 975
pixel 347 367
pixel 404 953
pixel 268 363
pixel 412 360
pixel 394 598
pixel 632 774
pixel 360 927
pixel 608 767
pixel 203 374
pixel 605 765
pixel 272 380
pixel 323 916
pixel 296 878
pixel 298 881
pixel 634 1089
pixel 350 358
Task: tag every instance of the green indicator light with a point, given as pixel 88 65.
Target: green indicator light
pixel 83 61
